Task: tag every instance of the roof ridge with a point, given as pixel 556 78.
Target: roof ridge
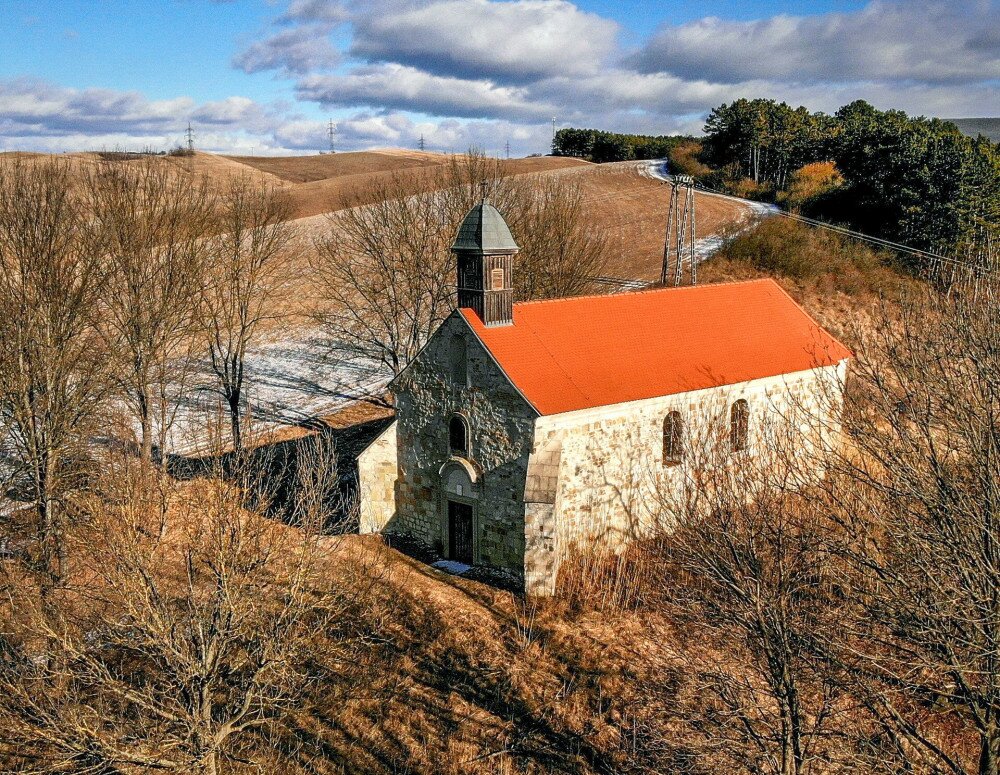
pixel 643 291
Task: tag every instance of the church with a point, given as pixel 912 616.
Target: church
pixel 523 429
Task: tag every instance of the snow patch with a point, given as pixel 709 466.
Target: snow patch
pixel 452 567
pixel 290 380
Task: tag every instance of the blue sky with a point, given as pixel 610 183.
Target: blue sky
pixel 264 76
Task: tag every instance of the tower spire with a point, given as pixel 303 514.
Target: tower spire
pixel 485 250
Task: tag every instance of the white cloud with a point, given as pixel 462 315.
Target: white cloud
pixel 40 106
pixel 42 116
pixel 507 41
pixel 928 41
pixel 328 11
pixel 300 49
pixel 395 86
pixel 491 71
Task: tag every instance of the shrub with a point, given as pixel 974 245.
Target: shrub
pixel 810 183
pixel 810 256
pixel 685 159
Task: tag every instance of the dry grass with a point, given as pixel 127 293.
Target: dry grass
pixel 839 281
pixel 305 169
pixel 632 211
pixel 469 679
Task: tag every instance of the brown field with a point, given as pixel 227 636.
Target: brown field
pixel 305 169
pixel 630 208
pixel 632 211
pixel 352 175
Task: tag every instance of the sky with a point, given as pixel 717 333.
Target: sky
pixel 268 76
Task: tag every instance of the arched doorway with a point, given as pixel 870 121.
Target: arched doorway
pixel 459 517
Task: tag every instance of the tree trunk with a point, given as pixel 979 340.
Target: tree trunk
pixel 49 530
pixel 146 419
pixel 210 765
pixel 989 751
pixel 233 397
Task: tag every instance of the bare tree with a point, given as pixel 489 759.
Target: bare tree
pixel 151 228
pixel 561 253
pixel 53 374
pixel 917 495
pixel 247 276
pixel 386 272
pixel 174 652
pixel 744 580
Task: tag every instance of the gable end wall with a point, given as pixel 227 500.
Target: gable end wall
pixel 501 424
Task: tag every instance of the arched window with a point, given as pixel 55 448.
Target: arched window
pixel 673 439
pixel 459 361
pixel 739 424
pixel 458 435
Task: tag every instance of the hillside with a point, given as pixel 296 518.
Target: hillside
pixel 630 207
pixel 974 127
pixel 464 678
pixel 290 379
pixel 304 169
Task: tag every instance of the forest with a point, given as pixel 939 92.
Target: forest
pixel 913 180
pixel 599 146
pixel 917 181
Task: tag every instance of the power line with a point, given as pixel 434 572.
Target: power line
pixel 330 133
pixel 878 241
pixel 420 144
pixel 190 138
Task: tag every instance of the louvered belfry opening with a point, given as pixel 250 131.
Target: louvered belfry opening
pixel 485 252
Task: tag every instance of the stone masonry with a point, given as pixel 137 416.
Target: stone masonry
pixel 500 422
pixel 541 484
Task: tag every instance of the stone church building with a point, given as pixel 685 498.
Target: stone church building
pixel 523 428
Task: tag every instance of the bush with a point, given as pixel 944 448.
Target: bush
pixel 809 184
pixel 810 256
pixel 685 159
pixel 745 188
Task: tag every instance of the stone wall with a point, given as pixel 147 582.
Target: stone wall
pixel 501 426
pixel 613 485
pixel 377 474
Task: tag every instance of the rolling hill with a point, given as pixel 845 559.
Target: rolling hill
pixel 979 126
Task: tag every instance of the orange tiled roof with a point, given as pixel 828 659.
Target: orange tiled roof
pixel 588 351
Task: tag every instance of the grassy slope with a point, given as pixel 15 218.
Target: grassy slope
pixel 460 677
pixel 631 209
pixel 463 678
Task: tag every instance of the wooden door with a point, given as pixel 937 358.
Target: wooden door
pixel 460 532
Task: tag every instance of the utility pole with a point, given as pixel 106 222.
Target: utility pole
pixel 507 149
pixel 680 237
pixel 421 145
pixel 330 133
pixel 190 138
pixel 553 128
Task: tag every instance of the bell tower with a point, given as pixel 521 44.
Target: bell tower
pixel 485 251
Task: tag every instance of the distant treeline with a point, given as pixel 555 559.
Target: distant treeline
pixel 914 180
pixel 600 146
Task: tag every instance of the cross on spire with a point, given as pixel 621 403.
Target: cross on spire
pixel 483 187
